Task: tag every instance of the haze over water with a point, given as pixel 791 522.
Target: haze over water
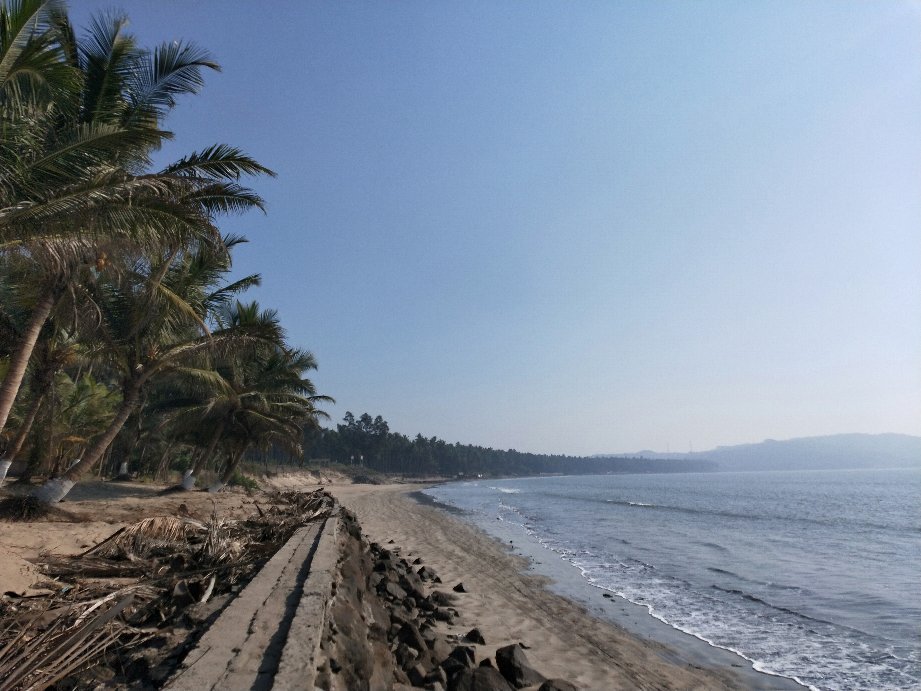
pixel 811 575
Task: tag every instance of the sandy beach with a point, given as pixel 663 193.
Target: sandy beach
pixel 508 605
pixel 505 601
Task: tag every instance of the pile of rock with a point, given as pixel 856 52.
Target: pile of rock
pixel 426 658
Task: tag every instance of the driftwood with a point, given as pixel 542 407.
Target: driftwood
pixel 136 587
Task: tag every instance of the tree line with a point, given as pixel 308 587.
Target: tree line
pixel 367 442
pixel 124 343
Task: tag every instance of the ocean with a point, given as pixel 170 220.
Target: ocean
pixel 811 575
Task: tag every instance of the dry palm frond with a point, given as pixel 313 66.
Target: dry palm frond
pixel 219 546
pixel 36 658
pixel 178 561
pixel 146 536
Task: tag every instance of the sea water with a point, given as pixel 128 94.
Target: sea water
pixel 812 575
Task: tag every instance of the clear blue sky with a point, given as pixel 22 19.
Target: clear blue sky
pixel 580 227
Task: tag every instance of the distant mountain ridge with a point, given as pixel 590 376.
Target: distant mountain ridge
pixel 837 451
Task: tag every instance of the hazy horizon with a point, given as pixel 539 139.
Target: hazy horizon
pixel 577 228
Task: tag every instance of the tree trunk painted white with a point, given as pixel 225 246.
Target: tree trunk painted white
pixel 123 469
pixel 54 490
pixel 217 487
pixel 188 481
pixel 5 464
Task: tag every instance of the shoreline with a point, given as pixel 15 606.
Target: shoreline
pixel 594 641
pixel 574 633
pixel 635 619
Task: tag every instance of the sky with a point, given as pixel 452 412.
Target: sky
pixel 579 227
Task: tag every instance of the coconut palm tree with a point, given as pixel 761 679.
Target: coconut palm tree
pixel 154 319
pixel 255 394
pixel 273 401
pixel 72 175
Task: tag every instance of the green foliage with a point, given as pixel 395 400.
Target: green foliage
pixel 114 277
pixel 238 479
pixel 364 445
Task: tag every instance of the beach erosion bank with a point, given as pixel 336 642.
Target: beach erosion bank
pixel 392 537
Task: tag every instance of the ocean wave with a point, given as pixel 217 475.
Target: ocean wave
pixel 836 522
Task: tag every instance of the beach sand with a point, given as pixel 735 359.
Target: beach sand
pixel 508 605
pixel 504 601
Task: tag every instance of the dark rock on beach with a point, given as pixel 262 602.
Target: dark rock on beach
pixel 474 636
pixel 479 679
pixel 557 685
pixel 514 666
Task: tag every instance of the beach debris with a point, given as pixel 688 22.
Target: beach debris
pixel 514 666
pixel 136 600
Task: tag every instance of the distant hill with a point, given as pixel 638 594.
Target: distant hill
pixel 810 453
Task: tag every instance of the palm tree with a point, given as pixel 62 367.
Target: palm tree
pixel 153 320
pixel 274 402
pixel 255 395
pixel 72 171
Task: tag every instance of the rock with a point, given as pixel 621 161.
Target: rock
pixel 442 614
pixel 474 636
pixel 557 685
pixel 426 574
pixel 440 649
pixel 394 591
pixel 486 662
pixel 416 675
pixel 479 679
pixel 607 595
pixel 452 667
pixel 514 666
pixel 464 654
pixel 410 635
pixel 437 675
pixel 459 588
pixel 406 656
pixel 417 561
pixel 434 686
pixel 441 599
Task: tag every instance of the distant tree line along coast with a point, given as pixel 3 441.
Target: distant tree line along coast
pixel 367 441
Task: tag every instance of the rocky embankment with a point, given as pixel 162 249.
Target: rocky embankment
pixel 387 626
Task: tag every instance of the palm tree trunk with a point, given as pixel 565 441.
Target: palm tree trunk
pixel 57 488
pixel 20 358
pixel 164 461
pixel 188 481
pixel 232 464
pixel 7 459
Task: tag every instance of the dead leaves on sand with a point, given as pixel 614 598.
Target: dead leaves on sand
pixel 139 586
